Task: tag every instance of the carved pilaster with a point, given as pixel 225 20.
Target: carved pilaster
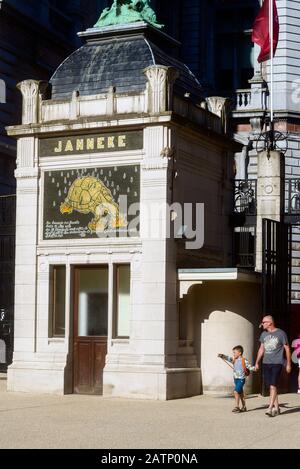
pixel 25 153
pixel 32 92
pixel 160 88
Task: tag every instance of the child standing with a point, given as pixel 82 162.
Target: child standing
pixel 241 369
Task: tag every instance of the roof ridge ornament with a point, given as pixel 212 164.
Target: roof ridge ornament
pixel 128 11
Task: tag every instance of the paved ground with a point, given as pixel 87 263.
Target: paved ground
pixel 39 421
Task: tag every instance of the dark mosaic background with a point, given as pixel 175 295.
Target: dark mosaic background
pixel 120 180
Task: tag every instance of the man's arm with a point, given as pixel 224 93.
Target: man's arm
pixel 288 358
pixel 260 354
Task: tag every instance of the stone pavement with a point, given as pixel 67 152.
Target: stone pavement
pixel 47 421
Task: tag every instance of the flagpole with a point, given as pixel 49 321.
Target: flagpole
pixel 271 34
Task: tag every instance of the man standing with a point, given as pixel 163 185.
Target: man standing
pixel 273 344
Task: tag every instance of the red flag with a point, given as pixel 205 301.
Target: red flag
pixel 261 33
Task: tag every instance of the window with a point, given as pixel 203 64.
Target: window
pixel 122 301
pixel 92 301
pixel 57 301
pixel 234 61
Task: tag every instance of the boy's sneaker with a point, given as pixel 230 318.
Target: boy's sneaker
pixel 243 409
pixel 299 391
pixel 236 410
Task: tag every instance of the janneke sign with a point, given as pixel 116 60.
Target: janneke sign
pixel 96 143
pixel 91 202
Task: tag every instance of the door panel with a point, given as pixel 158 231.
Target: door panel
pixel 100 351
pixel 90 328
pixel 84 361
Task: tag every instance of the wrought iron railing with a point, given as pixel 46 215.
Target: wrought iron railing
pixel 245 196
pixel 245 247
pixel 245 222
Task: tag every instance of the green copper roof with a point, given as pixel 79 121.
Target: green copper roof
pixel 128 11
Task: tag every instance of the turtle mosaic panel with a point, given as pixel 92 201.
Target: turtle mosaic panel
pixel 90 203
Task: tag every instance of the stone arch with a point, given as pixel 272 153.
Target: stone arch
pixel 226 313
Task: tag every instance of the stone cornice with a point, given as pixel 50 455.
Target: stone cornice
pixel 86 125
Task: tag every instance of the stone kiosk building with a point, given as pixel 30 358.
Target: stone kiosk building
pixel 106 303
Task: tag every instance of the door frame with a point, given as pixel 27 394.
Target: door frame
pixel 74 306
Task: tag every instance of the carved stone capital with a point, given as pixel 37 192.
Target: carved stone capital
pixel 160 87
pixel 220 107
pixel 32 92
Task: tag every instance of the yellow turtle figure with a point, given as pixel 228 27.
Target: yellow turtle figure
pixel 90 195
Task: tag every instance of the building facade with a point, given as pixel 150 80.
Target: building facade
pixel 161 317
pixel 107 302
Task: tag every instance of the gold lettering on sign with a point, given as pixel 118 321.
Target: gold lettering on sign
pixel 69 146
pixel 122 141
pixel 90 144
pixel 58 149
pixel 80 144
pixel 111 142
pixel 100 143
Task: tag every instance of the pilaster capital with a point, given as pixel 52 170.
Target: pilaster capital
pixel 32 92
pixel 160 87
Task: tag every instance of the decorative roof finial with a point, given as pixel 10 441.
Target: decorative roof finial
pixel 128 11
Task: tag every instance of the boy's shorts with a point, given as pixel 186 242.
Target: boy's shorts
pixel 239 385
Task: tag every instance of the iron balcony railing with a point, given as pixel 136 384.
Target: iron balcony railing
pixel 244 217
pixel 245 192
pixel 244 239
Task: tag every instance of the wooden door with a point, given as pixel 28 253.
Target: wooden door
pixel 90 328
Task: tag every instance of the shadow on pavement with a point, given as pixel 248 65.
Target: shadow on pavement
pixel 284 406
pixel 291 410
pixel 264 407
pixel 231 396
